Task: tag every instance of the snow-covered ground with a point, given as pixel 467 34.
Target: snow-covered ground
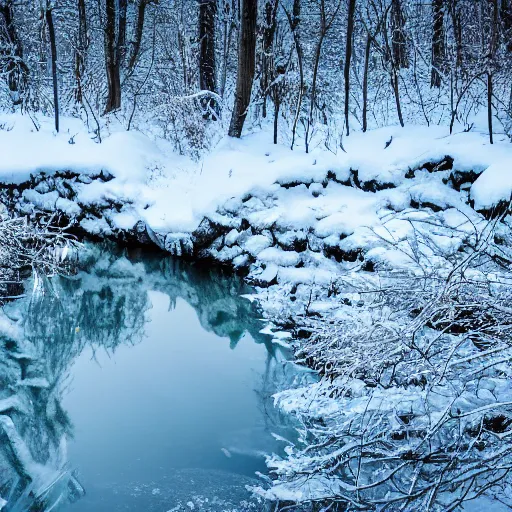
pixel 172 193
pixel 301 225
pixel 335 203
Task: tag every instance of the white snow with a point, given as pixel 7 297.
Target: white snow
pixel 494 185
pixel 256 244
pixel 172 193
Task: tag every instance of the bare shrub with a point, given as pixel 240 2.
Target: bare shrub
pixel 412 410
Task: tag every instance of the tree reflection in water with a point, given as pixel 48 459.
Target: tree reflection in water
pixel 104 305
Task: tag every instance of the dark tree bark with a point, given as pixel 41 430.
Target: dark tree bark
pixel 489 106
pixel 121 33
pixel 367 49
pixel 348 57
pixel 111 61
pixel 394 72
pixel 438 46
pixel 277 106
pixel 396 91
pixel 398 38
pixel 207 14
pixel 267 58
pixel 139 29
pixel 246 66
pixel 82 44
pixel 53 49
pixel 457 32
pixel 12 51
pixel 506 21
pixel 493 47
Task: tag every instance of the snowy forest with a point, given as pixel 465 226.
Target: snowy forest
pixel 255 255
pixel 314 69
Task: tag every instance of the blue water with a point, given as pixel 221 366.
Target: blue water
pixel 164 388
pixel 178 402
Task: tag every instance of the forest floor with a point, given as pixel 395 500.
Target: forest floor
pixel 304 228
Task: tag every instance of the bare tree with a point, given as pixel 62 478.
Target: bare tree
pixel 372 24
pixel 246 66
pixel 326 21
pixel 207 16
pixel 394 53
pixel 81 49
pixel 53 53
pixel 267 51
pixel 111 62
pixel 139 30
pixel 398 36
pixel 115 49
pixel 12 52
pixel 491 62
pixel 348 57
pixel 438 46
pixel 294 21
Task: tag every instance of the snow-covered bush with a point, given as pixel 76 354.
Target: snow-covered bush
pixel 26 247
pixel 412 410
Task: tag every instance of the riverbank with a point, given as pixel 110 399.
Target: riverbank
pixel 322 235
pixel 305 209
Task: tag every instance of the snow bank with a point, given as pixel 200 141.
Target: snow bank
pixel 252 202
pixel 493 186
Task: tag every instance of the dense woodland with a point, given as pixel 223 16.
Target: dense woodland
pixel 315 70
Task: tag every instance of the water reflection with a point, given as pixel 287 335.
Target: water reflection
pixel 116 301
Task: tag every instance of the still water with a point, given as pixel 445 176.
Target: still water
pixel 145 385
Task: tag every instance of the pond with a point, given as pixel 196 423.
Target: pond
pixel 140 384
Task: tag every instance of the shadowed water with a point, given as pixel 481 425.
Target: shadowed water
pixel 140 384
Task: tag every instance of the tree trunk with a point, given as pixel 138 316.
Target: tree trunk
pixel 489 106
pixel 394 72
pixel 398 39
pixel 139 29
pixel 506 17
pixel 318 54
pixel 267 60
pixel 207 13
pixel 15 68
pixel 365 81
pixel 396 91
pixel 246 66
pixel 277 105
pixel 348 57
pixel 83 43
pixel 294 21
pixel 121 33
pixel 438 47
pixel 493 47
pixel 457 33
pixel 53 49
pixel 111 61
